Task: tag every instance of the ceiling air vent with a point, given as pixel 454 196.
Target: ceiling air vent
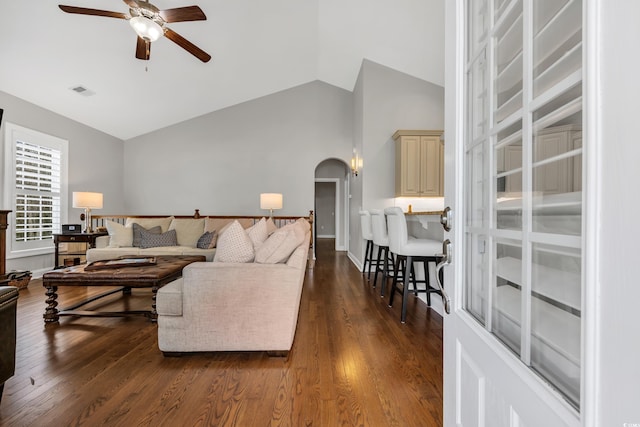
pixel 82 90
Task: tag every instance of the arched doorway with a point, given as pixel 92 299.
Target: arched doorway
pixel 331 202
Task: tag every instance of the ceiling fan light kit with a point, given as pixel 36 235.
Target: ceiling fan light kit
pixel 149 24
pixel 146 28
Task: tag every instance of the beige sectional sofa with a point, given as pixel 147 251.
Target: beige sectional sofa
pixel 120 240
pixel 238 306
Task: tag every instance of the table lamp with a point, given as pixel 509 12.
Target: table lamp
pixel 87 201
pixel 271 201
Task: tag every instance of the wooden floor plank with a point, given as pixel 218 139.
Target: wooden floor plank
pixel 352 363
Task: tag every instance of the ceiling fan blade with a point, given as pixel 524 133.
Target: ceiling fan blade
pixel 182 14
pixel 187 45
pixel 95 12
pixel 143 49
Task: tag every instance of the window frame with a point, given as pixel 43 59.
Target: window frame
pixel 14 133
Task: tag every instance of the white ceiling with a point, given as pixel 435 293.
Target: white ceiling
pixel 258 47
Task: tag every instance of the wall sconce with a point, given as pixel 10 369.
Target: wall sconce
pixel 356 163
pixel 271 201
pixel 87 201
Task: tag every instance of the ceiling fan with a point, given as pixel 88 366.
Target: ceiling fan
pixel 149 23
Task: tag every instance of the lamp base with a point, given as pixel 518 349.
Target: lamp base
pixel 87 221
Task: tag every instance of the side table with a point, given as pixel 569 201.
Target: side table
pixel 88 238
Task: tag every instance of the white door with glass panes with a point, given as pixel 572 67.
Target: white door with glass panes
pixel 513 349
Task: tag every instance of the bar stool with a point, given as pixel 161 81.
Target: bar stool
pixel 367 234
pixel 408 250
pixel 381 239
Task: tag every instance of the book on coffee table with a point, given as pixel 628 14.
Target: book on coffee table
pixel 121 262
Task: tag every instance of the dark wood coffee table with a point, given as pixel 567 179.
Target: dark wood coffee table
pixel 166 269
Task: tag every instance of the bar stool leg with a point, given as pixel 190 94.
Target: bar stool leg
pixel 375 275
pixel 394 285
pixel 405 288
pixel 366 258
pixel 370 259
pixel 426 278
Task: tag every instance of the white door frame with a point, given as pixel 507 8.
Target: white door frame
pixel 340 242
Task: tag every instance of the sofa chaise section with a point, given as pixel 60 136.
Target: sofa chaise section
pixel 218 306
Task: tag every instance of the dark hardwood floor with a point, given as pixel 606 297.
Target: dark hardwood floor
pixel 352 364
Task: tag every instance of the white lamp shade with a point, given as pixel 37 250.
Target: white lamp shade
pixel 84 199
pixel 270 201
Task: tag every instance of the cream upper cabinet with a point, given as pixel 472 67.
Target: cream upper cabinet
pixel 419 163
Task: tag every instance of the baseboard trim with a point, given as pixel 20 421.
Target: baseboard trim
pixel 355 261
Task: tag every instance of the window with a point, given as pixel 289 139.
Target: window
pixel 35 189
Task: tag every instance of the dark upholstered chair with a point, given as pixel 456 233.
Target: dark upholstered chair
pixel 8 302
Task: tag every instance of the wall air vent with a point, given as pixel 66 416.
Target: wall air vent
pixel 82 90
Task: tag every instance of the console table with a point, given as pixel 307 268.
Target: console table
pixel 3 240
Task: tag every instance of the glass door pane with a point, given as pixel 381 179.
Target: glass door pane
pixel 524 182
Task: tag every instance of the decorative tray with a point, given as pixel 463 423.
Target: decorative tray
pixel 126 261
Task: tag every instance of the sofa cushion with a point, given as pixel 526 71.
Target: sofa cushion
pixel 234 245
pixel 189 230
pixel 280 245
pixel 153 240
pixel 137 237
pixel 258 233
pixel 208 240
pixel 150 222
pixel 119 235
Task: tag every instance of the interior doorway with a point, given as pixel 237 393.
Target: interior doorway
pixel 331 203
pixel 325 218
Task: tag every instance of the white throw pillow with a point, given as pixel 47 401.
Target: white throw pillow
pixel 258 233
pixel 188 230
pixel 234 245
pixel 119 235
pixel 280 245
pixel 151 222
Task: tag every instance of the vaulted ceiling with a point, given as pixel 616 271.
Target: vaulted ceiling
pixel 258 47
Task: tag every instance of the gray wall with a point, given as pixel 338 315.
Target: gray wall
pixel 95 163
pixel 222 161
pixel 385 101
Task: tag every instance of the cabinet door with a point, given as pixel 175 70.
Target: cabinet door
pixel 409 167
pixel 430 166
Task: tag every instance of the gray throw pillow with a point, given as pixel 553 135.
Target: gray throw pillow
pixel 153 240
pixel 137 228
pixel 207 240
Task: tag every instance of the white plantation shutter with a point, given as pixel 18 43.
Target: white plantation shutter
pixel 37 198
pixel 37 187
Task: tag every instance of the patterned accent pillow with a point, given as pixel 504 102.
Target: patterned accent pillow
pixel 137 237
pixel 208 240
pixel 234 245
pixel 153 240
